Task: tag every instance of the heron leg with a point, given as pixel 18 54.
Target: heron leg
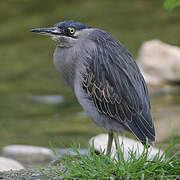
pixel 110 140
pixel 117 144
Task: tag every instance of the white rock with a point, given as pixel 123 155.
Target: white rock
pixel 25 153
pixel 159 62
pixel 100 144
pixel 7 164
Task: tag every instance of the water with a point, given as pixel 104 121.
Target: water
pixel 166 114
pixel 27 70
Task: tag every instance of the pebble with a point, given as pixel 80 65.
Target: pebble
pixel 28 155
pixel 7 164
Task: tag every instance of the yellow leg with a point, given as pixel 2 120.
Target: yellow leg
pixel 110 140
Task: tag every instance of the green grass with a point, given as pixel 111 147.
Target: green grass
pixel 27 69
pixel 101 166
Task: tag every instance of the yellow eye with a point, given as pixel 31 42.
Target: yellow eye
pixel 71 30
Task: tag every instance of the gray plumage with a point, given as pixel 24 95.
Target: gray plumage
pixel 104 77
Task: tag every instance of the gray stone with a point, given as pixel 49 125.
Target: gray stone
pixel 60 152
pixel 48 99
pixel 100 144
pixel 159 62
pixel 28 155
pixel 7 164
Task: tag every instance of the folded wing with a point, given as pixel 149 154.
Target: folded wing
pixel 113 81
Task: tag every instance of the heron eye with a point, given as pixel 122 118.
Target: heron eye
pixel 71 30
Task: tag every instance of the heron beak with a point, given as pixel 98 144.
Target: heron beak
pixel 47 31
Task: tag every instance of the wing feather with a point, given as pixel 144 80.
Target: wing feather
pixel 117 87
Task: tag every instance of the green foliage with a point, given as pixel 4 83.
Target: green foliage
pixel 101 166
pixel 171 4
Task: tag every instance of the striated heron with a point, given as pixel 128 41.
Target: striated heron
pixel 105 79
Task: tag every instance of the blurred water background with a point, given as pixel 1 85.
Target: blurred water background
pixel 29 82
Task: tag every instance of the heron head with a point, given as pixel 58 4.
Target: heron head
pixel 66 32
